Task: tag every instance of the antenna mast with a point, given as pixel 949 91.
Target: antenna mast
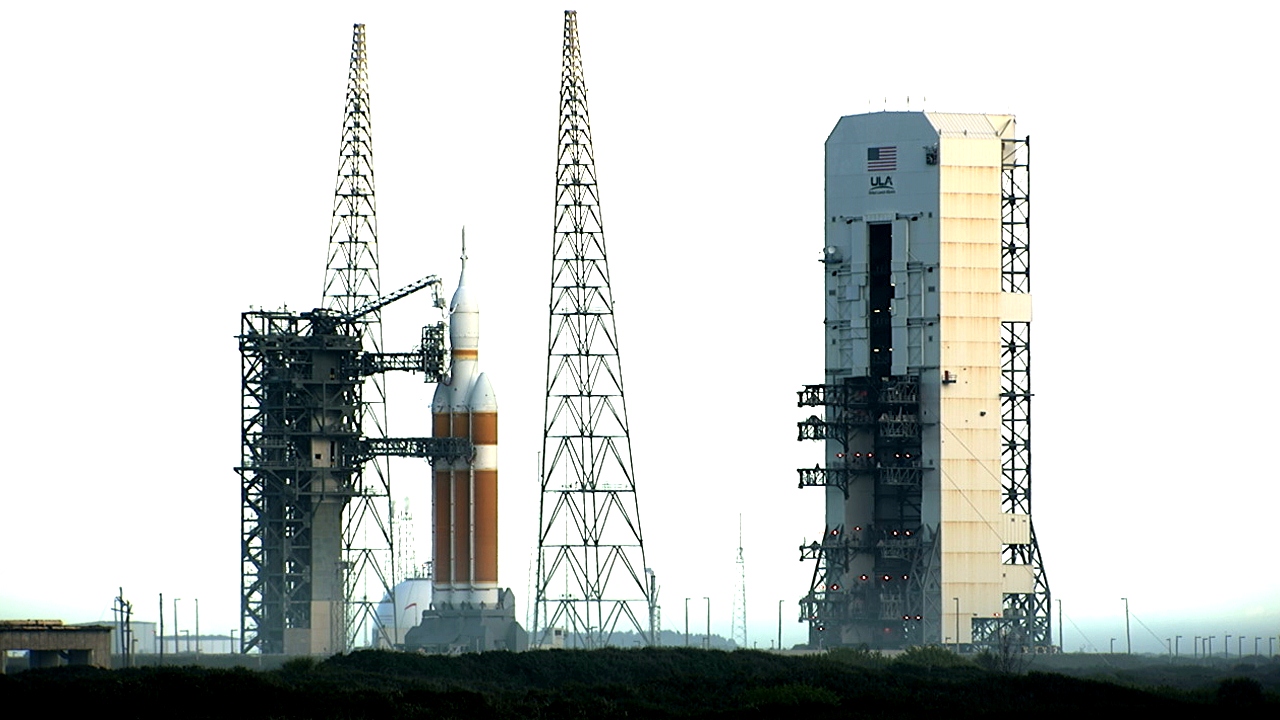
pixel 591 568
pixel 738 629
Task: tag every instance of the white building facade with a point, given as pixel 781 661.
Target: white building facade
pixel 925 405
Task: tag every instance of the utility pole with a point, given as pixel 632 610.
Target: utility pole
pixel 124 628
pixel 160 635
pixel 957 624
pixel 686 622
pixel 1127 642
pixel 706 643
pixel 1061 648
pixel 176 649
pixel 780 623
pixel 197 626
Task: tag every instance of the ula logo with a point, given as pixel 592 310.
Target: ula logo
pixel 881 185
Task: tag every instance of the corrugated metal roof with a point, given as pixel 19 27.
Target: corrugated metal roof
pixel 964 125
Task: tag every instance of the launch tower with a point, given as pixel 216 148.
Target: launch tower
pixel 316 528
pixel 592 579
pixel 925 407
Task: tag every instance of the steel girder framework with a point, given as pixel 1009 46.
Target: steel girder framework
pixel 1027 616
pixel 295 392
pixel 310 426
pixel 882 414
pixel 591 566
pixel 303 451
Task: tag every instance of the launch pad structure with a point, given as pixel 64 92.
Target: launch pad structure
pixel 926 405
pixel 316 524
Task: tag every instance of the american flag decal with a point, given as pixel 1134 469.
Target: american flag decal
pixel 881 159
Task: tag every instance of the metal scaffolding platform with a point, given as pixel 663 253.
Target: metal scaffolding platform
pixel 875 423
pixel 317 534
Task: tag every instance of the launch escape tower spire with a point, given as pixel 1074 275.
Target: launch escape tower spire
pixel 316 530
pixel 592 579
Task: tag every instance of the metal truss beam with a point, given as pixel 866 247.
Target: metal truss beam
pixel 1027 619
pixel 881 417
pixel 434 448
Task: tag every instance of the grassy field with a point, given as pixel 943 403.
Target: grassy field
pixel 653 682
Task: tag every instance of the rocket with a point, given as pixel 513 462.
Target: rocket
pixel 465 491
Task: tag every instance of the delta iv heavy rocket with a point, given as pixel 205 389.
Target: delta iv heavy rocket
pixel 466 491
pixel 469 611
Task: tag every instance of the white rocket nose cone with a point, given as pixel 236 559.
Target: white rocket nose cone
pixel 440 400
pixel 462 300
pixel 482 398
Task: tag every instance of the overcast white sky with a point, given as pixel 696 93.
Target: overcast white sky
pixel 169 165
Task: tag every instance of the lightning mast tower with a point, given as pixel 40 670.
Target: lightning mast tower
pixel 352 279
pixel 592 579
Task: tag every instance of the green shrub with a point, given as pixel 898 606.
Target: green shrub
pixel 1239 692
pixel 858 657
pixel 299 665
pixel 791 695
pixel 930 656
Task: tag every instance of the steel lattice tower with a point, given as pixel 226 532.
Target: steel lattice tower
pixel 592 579
pixel 1030 613
pixel 316 529
pixel 352 279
